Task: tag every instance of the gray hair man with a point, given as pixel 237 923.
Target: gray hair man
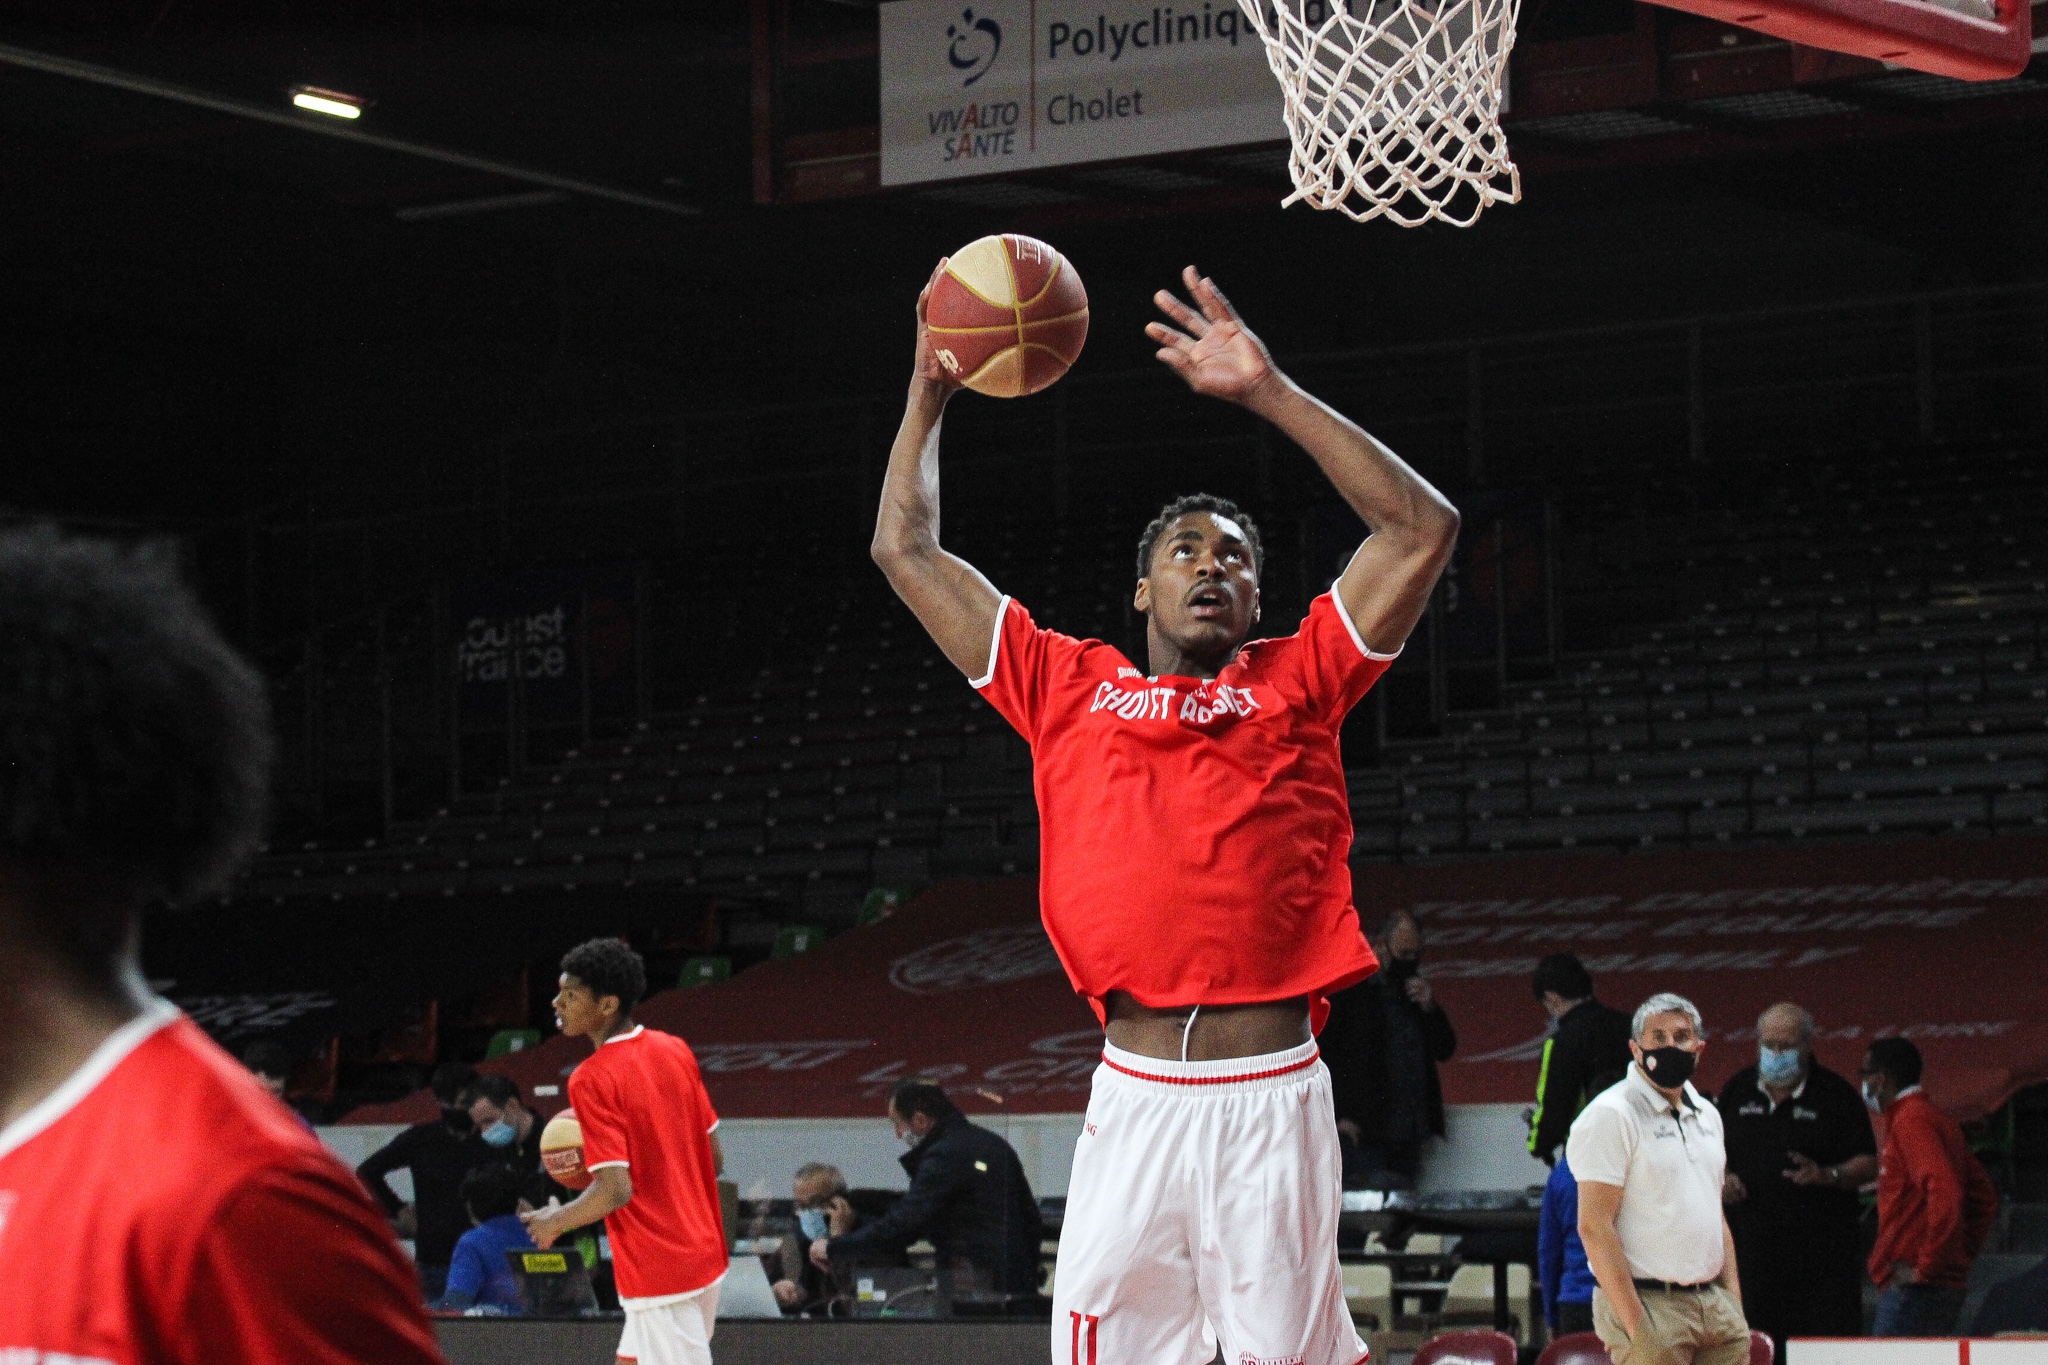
pixel 1649 1157
pixel 1799 1147
pixel 822 1210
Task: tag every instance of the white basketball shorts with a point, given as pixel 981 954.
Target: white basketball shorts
pixel 1203 1212
pixel 671 1330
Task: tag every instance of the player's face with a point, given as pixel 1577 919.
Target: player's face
pixel 1203 590
pixel 576 1008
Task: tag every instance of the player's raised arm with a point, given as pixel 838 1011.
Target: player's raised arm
pixel 1412 526
pixel 949 595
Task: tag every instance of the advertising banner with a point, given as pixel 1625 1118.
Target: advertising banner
pixel 1939 940
pixel 548 625
pixel 976 87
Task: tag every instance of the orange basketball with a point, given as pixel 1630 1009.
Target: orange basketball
pixel 1008 315
pixel 561 1151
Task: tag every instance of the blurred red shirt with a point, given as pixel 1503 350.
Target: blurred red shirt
pixel 159 1208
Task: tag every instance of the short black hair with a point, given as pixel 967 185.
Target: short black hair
pixel 135 743
pixel 450 1079
pixel 1199 502
pixel 1897 1058
pixel 609 967
pixel 491 1191
pixel 267 1057
pixel 499 1090
pixel 921 1095
pixel 1563 973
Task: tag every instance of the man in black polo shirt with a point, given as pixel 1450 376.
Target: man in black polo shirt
pixel 1799 1147
pixel 1587 1039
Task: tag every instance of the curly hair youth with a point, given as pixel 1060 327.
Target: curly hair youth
pixel 1199 502
pixel 608 967
pixel 135 743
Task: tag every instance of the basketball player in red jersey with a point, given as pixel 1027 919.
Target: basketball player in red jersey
pixel 650 1143
pixel 1193 873
pixel 157 1206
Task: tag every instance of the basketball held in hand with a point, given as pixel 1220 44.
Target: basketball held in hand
pixel 1008 315
pixel 561 1151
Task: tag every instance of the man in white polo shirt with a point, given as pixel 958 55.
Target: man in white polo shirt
pixel 1649 1159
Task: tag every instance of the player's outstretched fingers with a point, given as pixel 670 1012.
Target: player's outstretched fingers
pixel 1215 307
pixel 1175 350
pixel 1191 322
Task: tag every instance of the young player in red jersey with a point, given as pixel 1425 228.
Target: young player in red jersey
pixel 1193 873
pixel 650 1142
pixel 157 1206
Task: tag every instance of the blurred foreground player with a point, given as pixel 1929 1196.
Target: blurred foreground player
pixel 156 1204
pixel 653 1157
pixel 1195 829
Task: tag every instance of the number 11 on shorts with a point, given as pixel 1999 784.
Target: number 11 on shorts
pixel 1084 1328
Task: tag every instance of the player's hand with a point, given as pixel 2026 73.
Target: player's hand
pixel 1349 1128
pixel 1805 1171
pixel 924 366
pixel 839 1216
pixel 786 1293
pixel 406 1222
pixel 1733 1191
pixel 1212 349
pixel 1420 992
pixel 542 1225
pixel 1903 1275
pixel 820 1255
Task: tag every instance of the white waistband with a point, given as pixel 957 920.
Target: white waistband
pixel 1228 1075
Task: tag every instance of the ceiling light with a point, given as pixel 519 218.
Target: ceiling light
pixel 330 102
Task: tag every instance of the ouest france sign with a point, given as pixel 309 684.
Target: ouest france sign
pixel 977 87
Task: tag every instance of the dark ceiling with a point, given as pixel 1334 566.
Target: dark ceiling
pixel 212 311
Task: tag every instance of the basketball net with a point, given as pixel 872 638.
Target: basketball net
pixel 1393 106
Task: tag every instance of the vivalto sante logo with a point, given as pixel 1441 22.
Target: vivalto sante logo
pixel 973 44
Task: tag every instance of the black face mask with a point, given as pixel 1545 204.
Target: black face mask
pixel 1401 968
pixel 1669 1067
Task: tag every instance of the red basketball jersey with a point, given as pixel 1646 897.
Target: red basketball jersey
pixel 1193 833
pixel 160 1208
pixel 642 1104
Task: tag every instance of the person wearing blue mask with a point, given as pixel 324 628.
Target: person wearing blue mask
pixel 511 1130
pixel 1799 1148
pixel 823 1209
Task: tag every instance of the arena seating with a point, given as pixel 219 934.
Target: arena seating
pixel 1863 659
pixel 1869 664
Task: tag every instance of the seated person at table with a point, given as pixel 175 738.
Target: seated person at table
pixel 479 1277
pixel 967 1195
pixel 822 1210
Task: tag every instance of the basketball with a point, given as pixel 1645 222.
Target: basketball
pixel 1008 315
pixel 561 1151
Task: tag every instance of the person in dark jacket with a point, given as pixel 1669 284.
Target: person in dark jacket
pixel 967 1195
pixel 1383 1042
pixel 1587 1039
pixel 1799 1148
pixel 439 1154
